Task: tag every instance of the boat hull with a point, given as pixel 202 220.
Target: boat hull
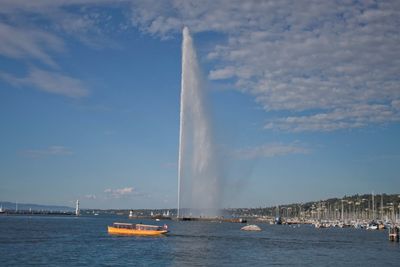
pixel 123 231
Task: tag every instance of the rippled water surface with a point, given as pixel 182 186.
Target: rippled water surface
pixel 83 241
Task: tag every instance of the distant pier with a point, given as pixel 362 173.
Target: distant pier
pixel 212 219
pixel 36 212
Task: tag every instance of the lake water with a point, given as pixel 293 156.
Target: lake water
pixel 83 241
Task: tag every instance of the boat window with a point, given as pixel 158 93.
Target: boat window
pixel 124 225
pixel 149 227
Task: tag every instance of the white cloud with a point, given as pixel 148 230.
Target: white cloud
pixel 50 82
pixel 21 43
pixel 271 150
pixel 121 192
pixel 324 58
pixel 47 152
pixel 90 196
pixel 356 117
pixel 32 32
pixel 321 58
pixel 221 74
pixel 396 104
pixel 84 20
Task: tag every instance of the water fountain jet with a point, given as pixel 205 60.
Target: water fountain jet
pixel 198 181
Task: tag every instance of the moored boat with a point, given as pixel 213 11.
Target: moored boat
pixel 137 229
pixel 373 226
pixel 394 233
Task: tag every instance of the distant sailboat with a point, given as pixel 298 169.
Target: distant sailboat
pixel 77 210
pixel 166 214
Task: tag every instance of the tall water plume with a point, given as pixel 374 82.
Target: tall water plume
pixel 198 181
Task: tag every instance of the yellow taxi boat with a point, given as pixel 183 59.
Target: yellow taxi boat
pixel 137 229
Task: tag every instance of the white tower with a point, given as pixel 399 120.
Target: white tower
pixel 77 211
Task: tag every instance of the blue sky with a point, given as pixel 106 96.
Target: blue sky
pixel 305 97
